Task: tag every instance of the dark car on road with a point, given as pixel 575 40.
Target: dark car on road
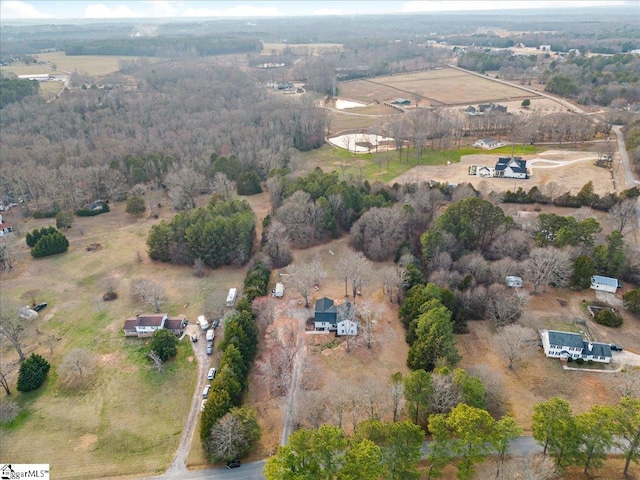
pixel 233 464
pixel 40 306
pixel 194 338
pixel 615 347
pixel 209 349
pixel 216 324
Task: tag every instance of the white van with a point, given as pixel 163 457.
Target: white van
pixel 205 391
pixel 203 322
pixel 231 298
pixel 210 335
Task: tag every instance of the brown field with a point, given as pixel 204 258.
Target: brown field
pixel 127 421
pixel 91 64
pixel 445 86
pixel 50 89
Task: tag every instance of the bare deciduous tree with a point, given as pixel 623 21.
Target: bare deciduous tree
pixel 76 367
pixel 627 382
pixel 301 277
pixel 504 304
pixel 198 268
pixel 493 380
pixel 512 342
pixel 623 215
pixel 157 361
pixel 354 268
pixel 446 394
pixel 4 383
pixel 532 467
pixel 392 283
pixel 265 309
pixel 370 314
pixel 223 186
pixel 278 246
pixel 548 265
pixel 311 409
pixel 276 364
pixel 183 186
pixel 318 272
pixel 148 292
pixel 228 438
pixel 12 329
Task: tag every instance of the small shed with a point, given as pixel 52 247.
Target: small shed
pixel 606 284
pixel 27 313
pixel 278 292
pixel 513 281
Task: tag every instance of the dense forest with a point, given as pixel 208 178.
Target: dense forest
pixel 14 90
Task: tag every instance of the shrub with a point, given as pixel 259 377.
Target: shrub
pixel 608 318
pixel 32 374
pixel 9 410
pixel 33 237
pixel 50 244
pixel 64 219
pixel 580 361
pixel 135 206
pixel 45 213
pixel 248 183
pixel 92 212
pixel 631 300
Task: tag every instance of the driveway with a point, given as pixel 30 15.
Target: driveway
pixel 627 358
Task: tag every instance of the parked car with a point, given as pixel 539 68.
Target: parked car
pixel 212 373
pixel 216 324
pixel 205 391
pixel 194 338
pixel 233 464
pixel 202 404
pixel 209 349
pixel 615 347
pixel 40 306
pixel 185 322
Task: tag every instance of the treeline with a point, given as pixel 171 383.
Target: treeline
pixel 600 80
pixel 14 90
pixel 165 46
pixel 220 233
pixel 586 197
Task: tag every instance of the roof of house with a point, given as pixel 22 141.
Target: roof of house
pixel 5 225
pixel 487 140
pixel 130 324
pixel 148 319
pixel 173 323
pixel 401 101
pixel 470 108
pixel 599 349
pixel 612 282
pixel 324 304
pixel 565 339
pixel 344 312
pixel 515 163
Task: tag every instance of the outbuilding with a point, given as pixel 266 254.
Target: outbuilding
pixel 606 284
pixel 513 281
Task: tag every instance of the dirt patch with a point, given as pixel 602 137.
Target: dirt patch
pixel 570 176
pixel 86 443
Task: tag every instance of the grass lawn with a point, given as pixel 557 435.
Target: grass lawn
pixel 129 419
pixel 386 166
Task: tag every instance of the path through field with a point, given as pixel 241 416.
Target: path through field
pixel 287 425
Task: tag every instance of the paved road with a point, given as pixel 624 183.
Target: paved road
pixel 247 471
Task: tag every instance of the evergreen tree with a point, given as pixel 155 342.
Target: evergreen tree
pixel 32 374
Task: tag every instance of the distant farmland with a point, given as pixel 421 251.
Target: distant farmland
pixel 434 87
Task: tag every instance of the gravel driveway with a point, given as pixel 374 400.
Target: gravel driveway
pixel 627 358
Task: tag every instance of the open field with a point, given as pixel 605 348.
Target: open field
pixel 129 419
pixel 91 64
pixel 445 86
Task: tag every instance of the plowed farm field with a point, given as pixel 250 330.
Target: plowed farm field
pixel 445 86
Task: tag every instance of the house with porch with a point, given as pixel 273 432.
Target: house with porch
pixel 571 345
pixel 606 284
pixel 511 167
pixel 144 324
pixel 487 143
pixel 329 317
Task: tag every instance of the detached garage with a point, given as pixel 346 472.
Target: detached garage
pixel 606 284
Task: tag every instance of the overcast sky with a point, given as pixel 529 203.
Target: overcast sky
pixel 78 9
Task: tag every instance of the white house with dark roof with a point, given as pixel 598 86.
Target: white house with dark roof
pixel 144 324
pixel 572 345
pixel 487 143
pixel 511 167
pixel 335 318
pixel 606 284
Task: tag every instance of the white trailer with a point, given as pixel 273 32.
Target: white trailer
pixel 231 297
pixel 278 292
pixel 210 335
pixel 203 322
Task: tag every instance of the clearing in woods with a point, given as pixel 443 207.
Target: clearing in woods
pixel 436 87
